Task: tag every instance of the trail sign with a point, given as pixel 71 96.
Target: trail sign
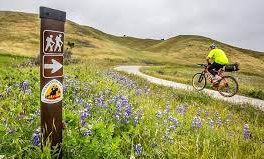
pixel 52 92
pixel 52 66
pixel 51 73
pixel 52 41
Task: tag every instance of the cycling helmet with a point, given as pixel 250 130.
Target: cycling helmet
pixel 212 46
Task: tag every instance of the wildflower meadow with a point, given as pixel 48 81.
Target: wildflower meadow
pixel 109 114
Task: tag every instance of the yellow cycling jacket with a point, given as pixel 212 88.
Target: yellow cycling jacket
pixel 218 56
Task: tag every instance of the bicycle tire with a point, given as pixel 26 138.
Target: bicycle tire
pixel 235 90
pixel 202 78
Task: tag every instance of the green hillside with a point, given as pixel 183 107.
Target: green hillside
pixel 19 35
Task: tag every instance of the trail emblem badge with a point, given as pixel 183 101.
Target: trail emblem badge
pixel 52 92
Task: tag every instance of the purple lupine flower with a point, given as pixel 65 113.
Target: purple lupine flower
pixel 166 134
pixel 10 130
pixel 138 149
pixel 83 122
pixel 121 80
pixel 174 121
pixel 88 106
pixel 167 110
pixel 127 111
pixel 246 132
pixel 87 132
pixel 25 86
pixel 81 100
pixel 36 137
pixel 76 99
pixel 84 115
pixel 182 109
pixel 219 121
pixel 206 113
pixel 173 127
pixel 138 91
pixel 123 101
pixel 197 122
pixel 100 101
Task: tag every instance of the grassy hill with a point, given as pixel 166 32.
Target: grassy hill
pixel 19 35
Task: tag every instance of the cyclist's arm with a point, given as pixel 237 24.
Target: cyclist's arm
pixel 210 56
pixel 208 60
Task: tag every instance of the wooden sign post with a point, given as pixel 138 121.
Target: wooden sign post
pixel 51 73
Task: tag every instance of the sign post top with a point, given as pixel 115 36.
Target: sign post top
pixel 54 14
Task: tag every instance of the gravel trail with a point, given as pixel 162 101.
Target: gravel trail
pixel 237 99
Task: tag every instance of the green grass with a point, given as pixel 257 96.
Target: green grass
pixel 113 138
pixel 249 84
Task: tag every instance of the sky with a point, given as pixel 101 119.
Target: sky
pixel 237 22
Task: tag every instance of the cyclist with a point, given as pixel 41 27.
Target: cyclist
pixel 219 61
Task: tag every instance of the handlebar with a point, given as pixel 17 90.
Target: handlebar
pixel 203 65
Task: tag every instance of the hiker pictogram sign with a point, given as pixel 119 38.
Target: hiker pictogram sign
pixel 52 41
pixel 52 92
pixel 52 66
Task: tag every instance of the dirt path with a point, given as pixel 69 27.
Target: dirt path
pixel 237 99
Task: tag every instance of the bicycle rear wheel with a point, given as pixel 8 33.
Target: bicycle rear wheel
pixel 199 81
pixel 228 86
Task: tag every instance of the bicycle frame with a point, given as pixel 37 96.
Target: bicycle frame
pixel 208 74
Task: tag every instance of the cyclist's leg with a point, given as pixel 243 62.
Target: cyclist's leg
pixel 218 66
pixel 215 67
pixel 212 67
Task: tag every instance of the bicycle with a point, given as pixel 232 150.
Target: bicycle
pixel 227 86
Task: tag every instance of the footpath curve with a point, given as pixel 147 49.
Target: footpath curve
pixel 237 99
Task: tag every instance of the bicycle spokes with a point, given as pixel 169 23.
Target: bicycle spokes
pixel 228 86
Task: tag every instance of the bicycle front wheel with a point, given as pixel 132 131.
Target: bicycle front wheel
pixel 199 81
pixel 228 86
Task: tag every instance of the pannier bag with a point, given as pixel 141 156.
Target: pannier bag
pixel 231 67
